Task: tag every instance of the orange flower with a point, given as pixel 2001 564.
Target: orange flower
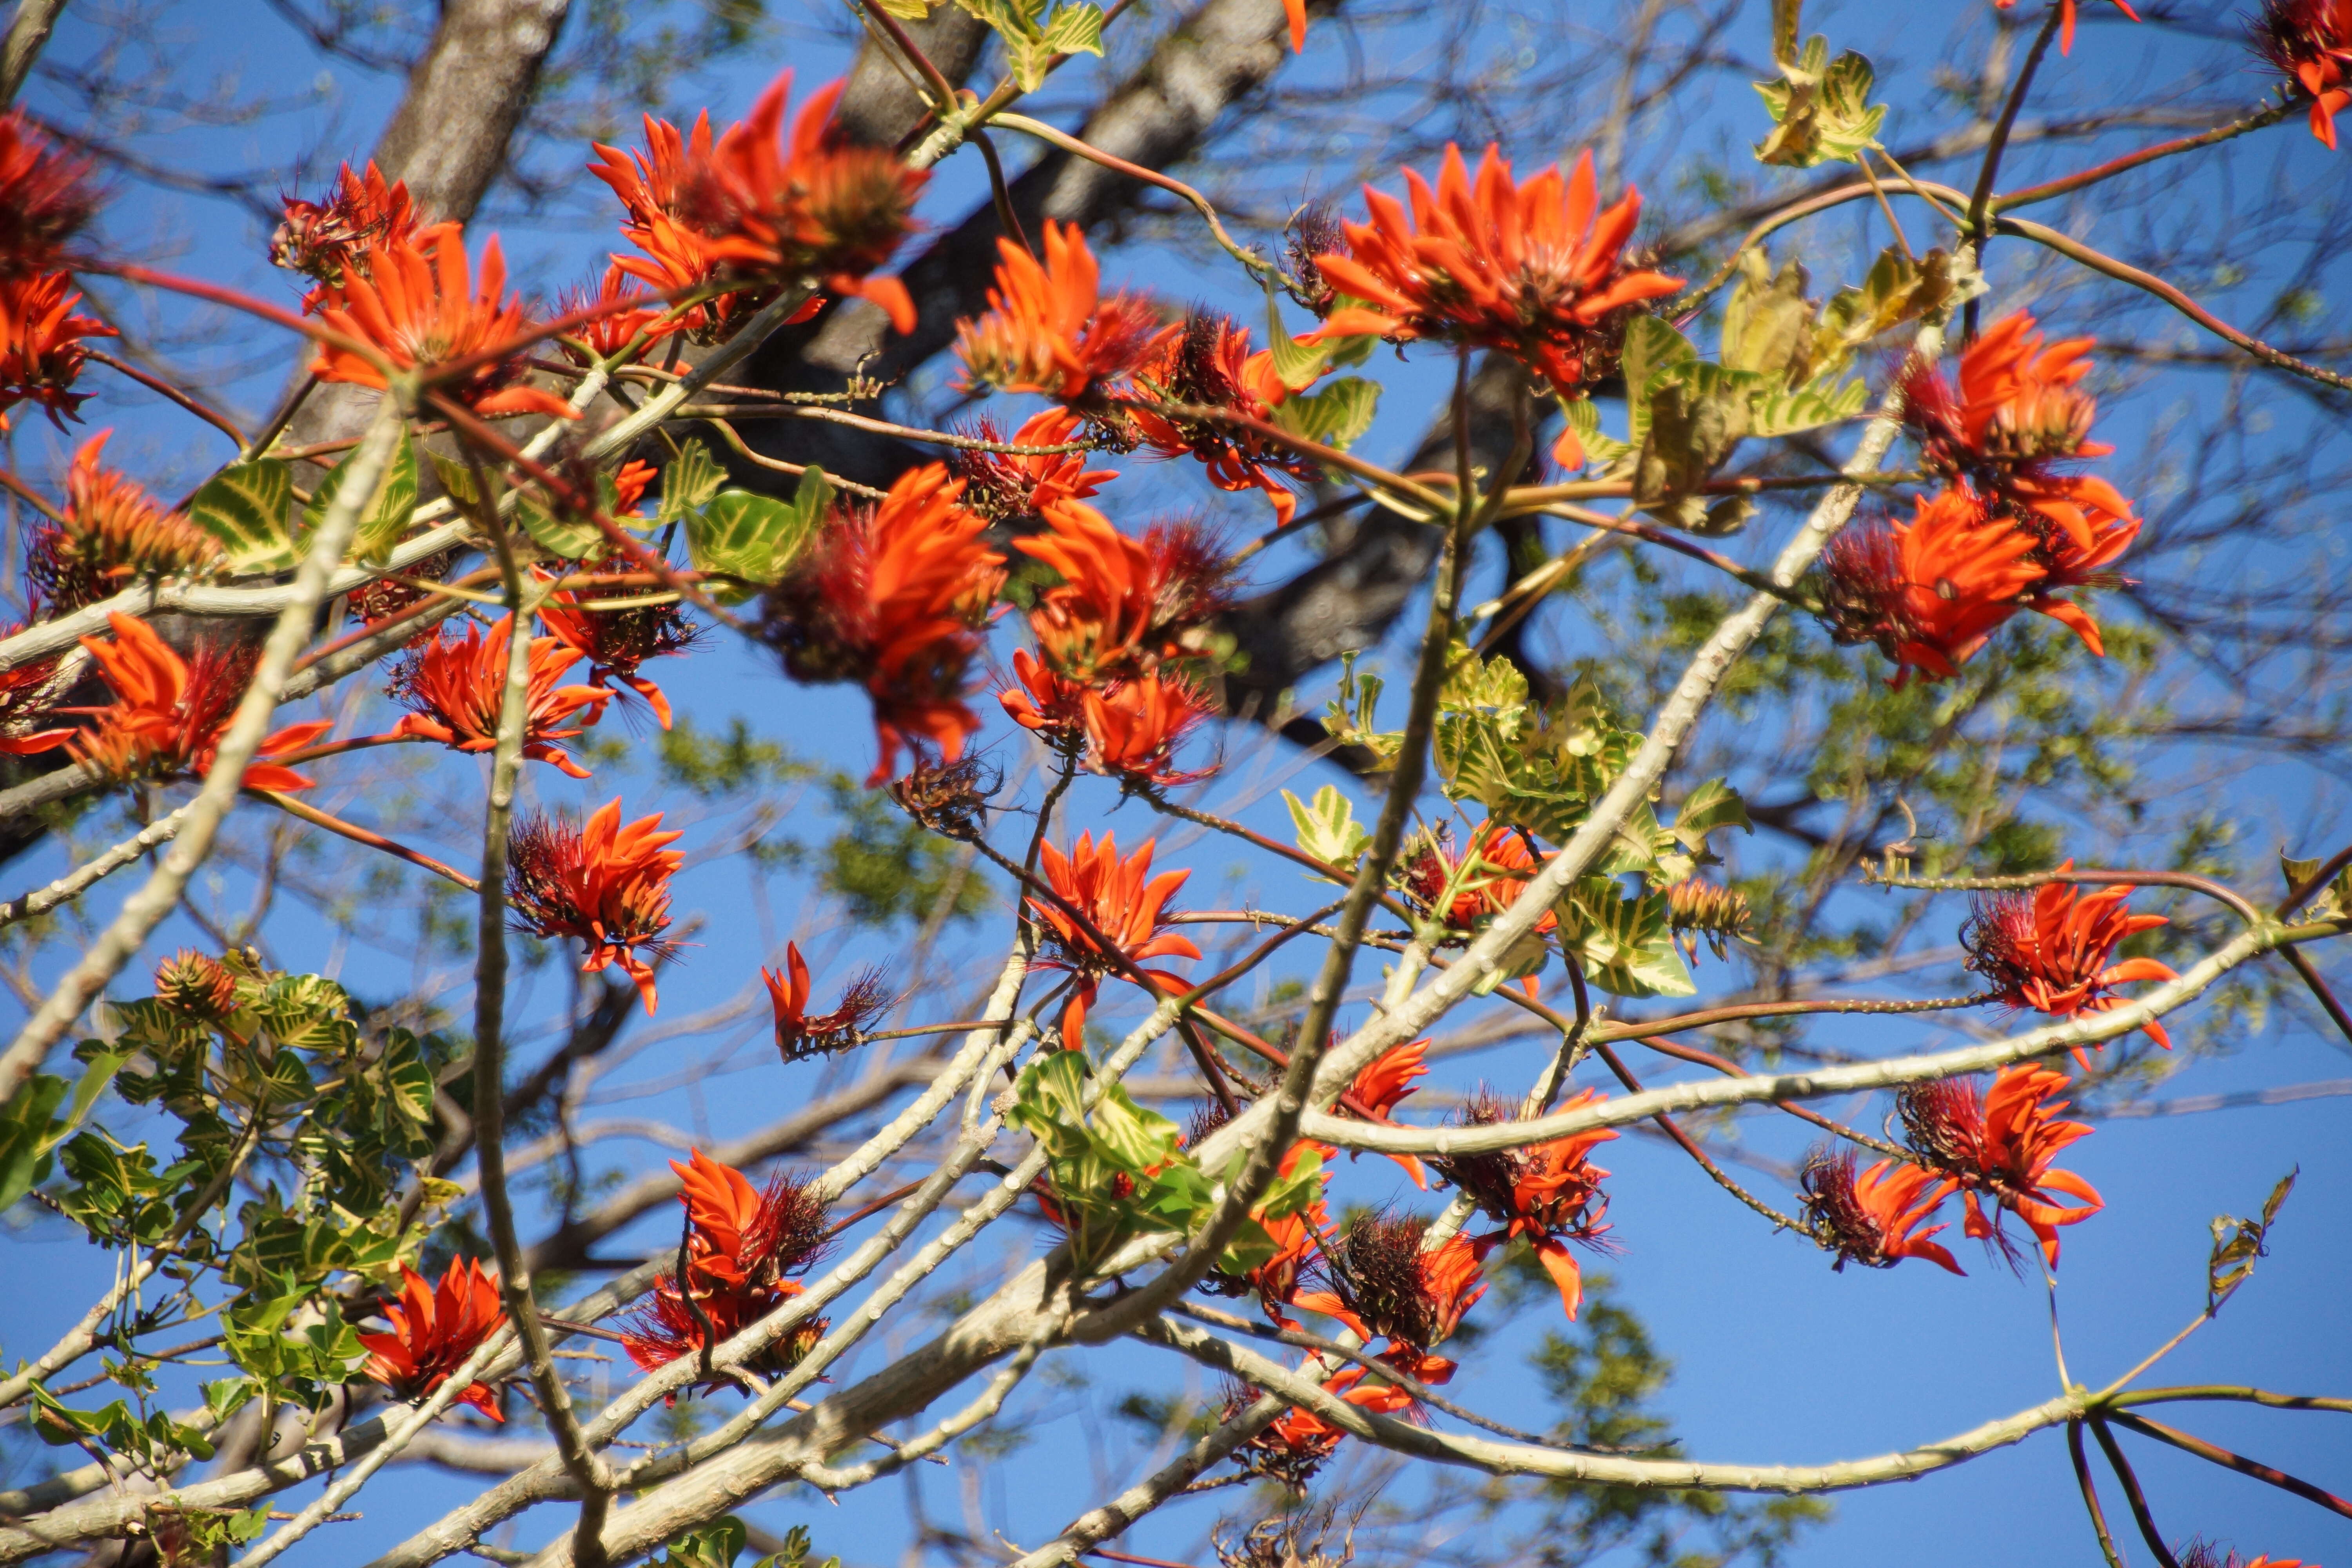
pixel 656 187
pixel 1210 364
pixel 1002 485
pixel 1050 704
pixel 818 205
pixel 168 712
pixel 2048 950
pixel 2002 1146
pixel 1487 876
pixel 1123 604
pixel 605 885
pixel 892 597
pixel 1296 1444
pixel 25 700
pixel 40 354
pixel 2066 26
pixel 610 333
pixel 1048 329
pixel 1121 899
pixel 433 1328
pixel 1536 271
pixel 1133 731
pixel 1931 592
pixel 2018 412
pixel 326 241
pixel 1549 1193
pixel 453 689
pixel 1872 1219
pixel 2311 41
pixel 413 302
pixel 740 1247
pixel 1384 1083
pixel 112 530
pixel 800 1035
pixel 615 643
pixel 45 198
pixel 1386 1283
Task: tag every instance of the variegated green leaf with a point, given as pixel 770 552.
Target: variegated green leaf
pixel 247 507
pixel 386 516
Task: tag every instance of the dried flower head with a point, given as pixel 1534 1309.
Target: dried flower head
pixel 1872 1219
pixel 1313 230
pixel 1301 1540
pixel 603 885
pixel 41 353
pixel 46 198
pixel 1383 1282
pixel 1549 1193
pixel 949 799
pixel 327 241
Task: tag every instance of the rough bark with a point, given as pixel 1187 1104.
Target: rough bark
pixel 881 104
pixel 448 138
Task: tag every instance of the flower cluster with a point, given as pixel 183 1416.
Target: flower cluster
pixel 41 353
pixel 45 199
pixel 434 1328
pixel 618 643
pixel 763 208
pixel 603 885
pixel 2049 949
pixel 743 1246
pixel 2310 42
pixel 801 1033
pixel 1125 908
pixel 893 596
pixel 452 687
pixel 110 532
pixel 1049 330
pixel 1208 366
pixel 1995 1145
pixel 1536 271
pixel 169 713
pixel 329 241
pixel 1548 1194
pixel 1005 487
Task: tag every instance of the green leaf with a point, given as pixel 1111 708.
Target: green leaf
pixel 25 1143
pixel 1584 418
pixel 1711 806
pixel 386 516
pixel 692 478
pixel 246 507
pixel 1821 109
pixel 746 536
pixel 1626 945
pixel 2238 1244
pixel 1031 38
pixel 1336 416
pixel 1768 322
pixel 1655 356
pixel 1075 30
pixel 1328 829
pixel 1895 290
pixel 713 1545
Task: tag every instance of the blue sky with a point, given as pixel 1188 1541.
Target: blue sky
pixel 1777 1360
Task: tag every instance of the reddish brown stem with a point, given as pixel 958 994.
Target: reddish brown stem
pixel 30 496
pixel 358 834
pixel 211 416
pixel 196 289
pixel 2228 1461
pixel 2071 183
pixel 2133 1495
pixel 867 1210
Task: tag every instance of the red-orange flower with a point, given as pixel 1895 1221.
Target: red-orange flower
pixel 1002 485
pixel 1872 1219
pixel 1048 328
pixel 1210 364
pixel 1123 604
pixel 413 303
pixel 1122 901
pixel 801 1033
pixel 1386 1282
pixel 1054 706
pixel 605 885
pixel 433 1328
pixel 1486 878
pixel 1133 731
pixel 1931 592
pixel 656 186
pixel 2066 24
pixel 1296 1444
pixel 2002 1146
pixel 616 643
pixel 27 702
pixel 2048 949
pixel 452 687
pixel 618 327
pixel 2311 41
pixel 1549 1193
pixel 168 713
pixel 326 241
pixel 1384 1083
pixel 112 530
pixel 1535 270
pixel 40 348
pixel 45 198
pixel 892 596
pixel 741 1246
pixel 815 205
